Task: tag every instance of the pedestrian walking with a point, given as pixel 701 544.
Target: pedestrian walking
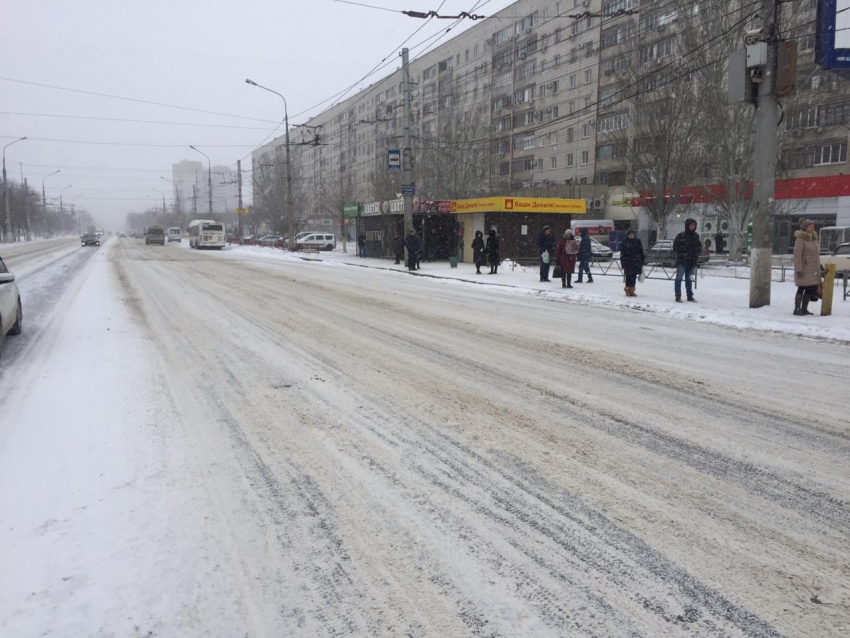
pixel 413 244
pixel 688 248
pixel 565 256
pixel 478 252
pixel 432 245
pixel 631 260
pixel 545 248
pixel 806 267
pixel 719 244
pixel 398 247
pixel 361 245
pixel 585 255
pixel 494 255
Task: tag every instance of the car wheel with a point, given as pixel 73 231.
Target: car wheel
pixel 18 327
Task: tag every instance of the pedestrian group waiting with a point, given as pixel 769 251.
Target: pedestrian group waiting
pixel 570 252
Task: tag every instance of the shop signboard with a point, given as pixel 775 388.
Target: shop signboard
pixel 350 209
pixel 832 36
pixel 435 206
pixel 519 205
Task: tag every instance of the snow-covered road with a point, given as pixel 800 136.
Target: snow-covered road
pixel 201 445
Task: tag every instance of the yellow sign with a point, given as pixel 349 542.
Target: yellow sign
pixel 241 211
pixel 519 205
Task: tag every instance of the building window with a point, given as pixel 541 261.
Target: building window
pixel 554 112
pixel 572 81
pixel 588 76
pixel 611 151
pixel 475 52
pixel 612 6
pixel 611 123
pixel 571 134
pixel 610 178
pixel 585 130
pixel 608 95
pixel 559 7
pixel 553 138
pixel 557 60
pixel 569 159
pixel 571 107
pixel 585 158
pixel 503 36
pixel 553 161
pixel 429 73
pixel 820 154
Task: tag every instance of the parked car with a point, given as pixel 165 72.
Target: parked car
pixel 322 241
pixel 841 259
pixel 120 235
pixel 600 251
pixel 11 312
pixel 175 234
pixel 661 253
pixel 269 240
pixel 90 239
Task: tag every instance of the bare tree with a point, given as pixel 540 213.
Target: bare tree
pixel 457 164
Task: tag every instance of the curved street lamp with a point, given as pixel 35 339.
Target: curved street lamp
pixel 8 221
pixel 209 175
pixel 290 212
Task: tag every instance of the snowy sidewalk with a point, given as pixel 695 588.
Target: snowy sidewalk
pixel 721 300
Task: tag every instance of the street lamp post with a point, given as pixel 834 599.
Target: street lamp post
pixel 289 206
pixel 177 206
pixel 62 190
pixel 8 221
pixel 163 197
pixel 209 176
pixel 43 196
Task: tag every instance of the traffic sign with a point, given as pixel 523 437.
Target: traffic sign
pixel 832 46
pixel 408 190
pixel 394 159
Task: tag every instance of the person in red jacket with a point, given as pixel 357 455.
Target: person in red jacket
pixel 565 257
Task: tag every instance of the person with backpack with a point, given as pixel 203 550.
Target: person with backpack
pixel 493 254
pixel 545 248
pixel 478 251
pixel 565 256
pixel 687 247
pixel 585 255
pixel 631 261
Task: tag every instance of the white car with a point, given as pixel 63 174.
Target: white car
pixel 600 251
pixel 841 259
pixel 321 241
pixel 11 313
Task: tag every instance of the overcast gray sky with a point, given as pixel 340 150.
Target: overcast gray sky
pixel 190 53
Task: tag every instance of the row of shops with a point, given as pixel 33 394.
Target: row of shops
pixel 447 227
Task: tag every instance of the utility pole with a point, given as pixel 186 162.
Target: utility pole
pixel 239 182
pixel 764 173
pixel 26 194
pixel 407 153
pixel 194 201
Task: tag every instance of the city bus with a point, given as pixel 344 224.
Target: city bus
pixel 206 233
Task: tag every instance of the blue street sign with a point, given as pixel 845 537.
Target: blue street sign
pixel 394 159
pixel 408 190
pixel 832 44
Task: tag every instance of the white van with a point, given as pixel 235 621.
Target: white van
pixel 322 241
pixel 175 234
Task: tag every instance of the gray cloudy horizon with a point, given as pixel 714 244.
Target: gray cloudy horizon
pixel 190 54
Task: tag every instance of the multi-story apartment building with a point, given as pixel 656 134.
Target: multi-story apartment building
pixel 545 96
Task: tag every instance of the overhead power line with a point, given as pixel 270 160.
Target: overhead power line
pixel 47 139
pixel 132 121
pixel 132 99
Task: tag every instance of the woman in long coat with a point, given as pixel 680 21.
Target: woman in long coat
pixel 806 266
pixel 478 254
pixel 565 257
pixel 631 260
pixel 493 254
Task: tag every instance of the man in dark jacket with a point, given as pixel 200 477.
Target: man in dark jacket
pixel 687 247
pixel 585 254
pixel 413 245
pixel 361 245
pixel 398 247
pixel 545 248
pixel 718 243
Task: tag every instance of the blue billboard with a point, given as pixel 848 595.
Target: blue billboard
pixel 832 49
